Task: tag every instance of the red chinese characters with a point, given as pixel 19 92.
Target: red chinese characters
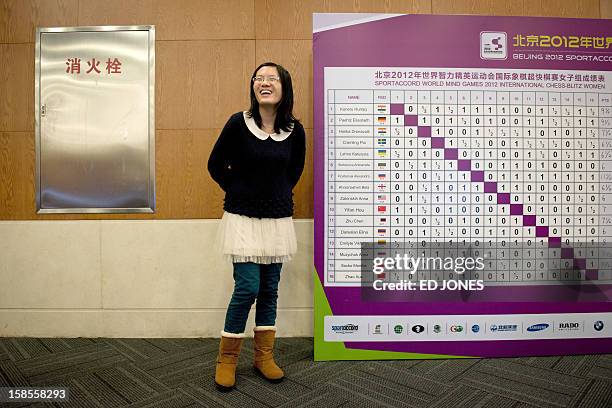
pixel 73 65
pixel 113 66
pixel 93 66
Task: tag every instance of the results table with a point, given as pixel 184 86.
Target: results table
pixel 518 168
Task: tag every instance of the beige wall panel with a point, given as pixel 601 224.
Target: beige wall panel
pixel 303 192
pixel 550 8
pixel 17 87
pixel 288 19
pixel 199 84
pixel 163 264
pixel 296 56
pixel 139 323
pixel 50 265
pixel 184 187
pixel 175 20
pixel 605 8
pixel 134 279
pixel 19 18
pixel 175 264
pixel 16 175
pixel 50 323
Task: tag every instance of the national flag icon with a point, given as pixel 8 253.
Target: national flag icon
pixel 382 120
pixel 381 230
pixel 381 241
pixel 382 187
pixel 381 165
pixel 381 108
pixel 382 142
pixel 382 176
pixel 381 131
pixel 382 153
pixel 383 220
pixel 382 197
pixel 382 208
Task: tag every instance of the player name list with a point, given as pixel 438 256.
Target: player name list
pixel 505 160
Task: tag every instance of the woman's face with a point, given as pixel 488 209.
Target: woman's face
pixel 267 87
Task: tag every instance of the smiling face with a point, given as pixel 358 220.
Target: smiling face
pixel 268 92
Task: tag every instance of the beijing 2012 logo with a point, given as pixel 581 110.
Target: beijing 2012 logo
pixel 493 45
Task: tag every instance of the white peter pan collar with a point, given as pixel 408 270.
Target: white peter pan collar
pixel 260 134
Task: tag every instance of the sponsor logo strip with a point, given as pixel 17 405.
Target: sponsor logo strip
pixel 468 327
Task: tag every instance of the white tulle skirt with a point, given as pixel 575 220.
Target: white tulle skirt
pixel 258 240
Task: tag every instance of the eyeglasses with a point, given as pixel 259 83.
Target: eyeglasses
pixel 272 79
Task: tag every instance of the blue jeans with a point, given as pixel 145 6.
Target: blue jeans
pixel 253 281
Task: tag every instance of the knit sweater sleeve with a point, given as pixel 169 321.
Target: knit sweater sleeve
pixel 220 161
pixel 298 155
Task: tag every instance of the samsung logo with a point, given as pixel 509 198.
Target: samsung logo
pixel 538 327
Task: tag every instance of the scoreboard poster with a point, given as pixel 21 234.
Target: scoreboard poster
pixel 462 186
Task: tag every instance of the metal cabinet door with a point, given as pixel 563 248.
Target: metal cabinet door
pixel 95 128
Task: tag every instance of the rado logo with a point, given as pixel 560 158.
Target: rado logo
pixel 564 326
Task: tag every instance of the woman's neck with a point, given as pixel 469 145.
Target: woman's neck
pixel 268 116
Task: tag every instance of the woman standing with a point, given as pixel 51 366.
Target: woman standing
pixel 257 160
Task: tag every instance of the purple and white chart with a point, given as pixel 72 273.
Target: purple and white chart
pixel 463 186
pixel 468 156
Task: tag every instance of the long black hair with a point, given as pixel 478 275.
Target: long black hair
pixel 284 113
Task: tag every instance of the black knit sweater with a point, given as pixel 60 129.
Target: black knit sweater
pixel 257 175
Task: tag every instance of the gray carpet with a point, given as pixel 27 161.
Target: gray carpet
pixel 179 373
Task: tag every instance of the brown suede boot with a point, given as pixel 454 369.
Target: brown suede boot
pixel 229 349
pixel 264 360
